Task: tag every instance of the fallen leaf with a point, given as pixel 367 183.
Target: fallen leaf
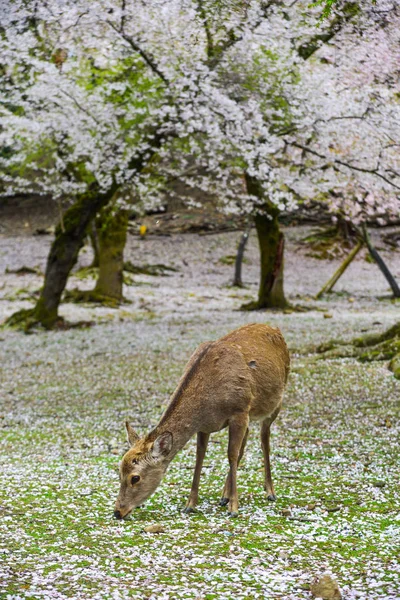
pixel 379 484
pixel 156 528
pixel 325 587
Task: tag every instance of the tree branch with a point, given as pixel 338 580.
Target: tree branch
pixel 220 50
pixel 344 163
pixel 82 108
pixel 147 59
pixel 204 19
pixel 307 49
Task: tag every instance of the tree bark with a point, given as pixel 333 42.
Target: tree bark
pixel 94 240
pixel 62 257
pixel 370 347
pixel 111 229
pixel 237 279
pixel 272 244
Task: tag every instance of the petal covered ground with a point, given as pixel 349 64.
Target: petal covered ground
pixel 65 395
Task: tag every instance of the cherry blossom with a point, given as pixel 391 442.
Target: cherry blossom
pixel 213 90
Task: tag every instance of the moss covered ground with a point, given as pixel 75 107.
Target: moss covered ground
pixel 64 397
pixel 335 461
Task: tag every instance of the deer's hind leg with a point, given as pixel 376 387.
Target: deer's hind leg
pixel 202 442
pixel 265 443
pixel 225 494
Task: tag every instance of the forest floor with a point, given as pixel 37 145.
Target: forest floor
pixel 64 397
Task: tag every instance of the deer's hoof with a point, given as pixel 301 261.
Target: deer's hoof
pixel 189 510
pixel 233 514
pixel 271 497
pixel 223 501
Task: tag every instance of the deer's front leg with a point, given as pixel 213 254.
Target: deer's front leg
pixel 202 442
pixel 225 494
pixel 238 426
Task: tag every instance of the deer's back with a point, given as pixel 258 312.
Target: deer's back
pixel 267 363
pixel 244 371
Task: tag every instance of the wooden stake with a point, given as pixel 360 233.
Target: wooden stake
pixel 381 264
pixel 336 276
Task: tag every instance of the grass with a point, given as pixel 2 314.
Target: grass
pixel 65 397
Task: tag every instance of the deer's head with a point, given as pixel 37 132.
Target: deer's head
pixel 141 470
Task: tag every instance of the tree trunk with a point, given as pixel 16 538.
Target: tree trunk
pixel 272 245
pixel 111 229
pixel 65 248
pixel 237 279
pixel 62 257
pixel 271 242
pixel 94 240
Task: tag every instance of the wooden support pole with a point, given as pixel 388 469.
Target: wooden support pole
pixel 339 272
pixel 380 262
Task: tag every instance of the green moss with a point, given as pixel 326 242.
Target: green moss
pixel 153 270
pixel 30 318
pixel 86 273
pixel 395 365
pixel 111 226
pixel 384 351
pixel 91 296
pixel 368 348
pixel 69 238
pixel 376 338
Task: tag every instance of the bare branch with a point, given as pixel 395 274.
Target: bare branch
pixel 204 19
pixel 82 108
pixel 307 49
pixel 219 51
pixel 342 163
pixel 145 56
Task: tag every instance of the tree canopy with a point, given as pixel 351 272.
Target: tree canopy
pixel 134 94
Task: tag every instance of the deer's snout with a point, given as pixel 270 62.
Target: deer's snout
pixel 121 511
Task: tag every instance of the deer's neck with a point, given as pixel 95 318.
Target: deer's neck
pixel 182 430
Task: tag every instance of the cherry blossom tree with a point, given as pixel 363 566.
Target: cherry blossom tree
pixel 102 105
pixel 63 132
pixel 353 131
pixel 321 115
pixel 341 131
pixel 86 107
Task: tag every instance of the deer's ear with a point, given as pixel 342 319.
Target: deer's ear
pixel 133 437
pixel 162 445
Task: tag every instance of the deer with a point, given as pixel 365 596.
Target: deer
pixel 227 383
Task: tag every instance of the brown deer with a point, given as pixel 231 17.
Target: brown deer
pixel 226 383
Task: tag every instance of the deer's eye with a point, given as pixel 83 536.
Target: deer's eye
pixel 135 479
pixel 135 461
